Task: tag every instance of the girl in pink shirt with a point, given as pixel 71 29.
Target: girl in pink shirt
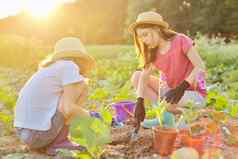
pixel 173 54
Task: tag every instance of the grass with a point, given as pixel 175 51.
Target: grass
pixel 8 99
pixel 116 63
pixel 215 51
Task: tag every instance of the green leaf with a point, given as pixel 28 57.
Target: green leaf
pixel 107 117
pixel 221 103
pixel 7 119
pixel 96 126
pixel 233 110
pixel 84 156
pixel 94 133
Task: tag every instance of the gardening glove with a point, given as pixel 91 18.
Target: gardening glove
pixel 139 111
pixel 173 96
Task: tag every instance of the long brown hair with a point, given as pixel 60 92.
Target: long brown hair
pixel 149 55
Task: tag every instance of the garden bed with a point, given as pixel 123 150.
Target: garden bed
pixel 124 148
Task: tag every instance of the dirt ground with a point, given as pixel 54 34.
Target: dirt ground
pixel 124 148
pixel 121 147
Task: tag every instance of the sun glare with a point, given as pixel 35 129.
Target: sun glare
pixel 41 8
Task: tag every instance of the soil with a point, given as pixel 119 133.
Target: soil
pixel 122 147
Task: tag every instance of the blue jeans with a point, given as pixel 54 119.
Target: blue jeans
pixel 36 139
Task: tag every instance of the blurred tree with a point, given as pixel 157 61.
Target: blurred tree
pixel 106 22
pixel 96 22
pixel 135 7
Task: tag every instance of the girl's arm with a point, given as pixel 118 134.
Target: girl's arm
pixel 139 112
pixel 143 79
pixel 72 99
pixel 197 62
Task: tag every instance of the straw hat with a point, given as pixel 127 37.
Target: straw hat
pixel 72 47
pixel 149 17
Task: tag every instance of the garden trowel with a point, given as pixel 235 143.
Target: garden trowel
pixel 135 133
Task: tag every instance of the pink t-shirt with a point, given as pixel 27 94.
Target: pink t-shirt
pixel 176 67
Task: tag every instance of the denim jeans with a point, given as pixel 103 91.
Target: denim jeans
pixel 36 139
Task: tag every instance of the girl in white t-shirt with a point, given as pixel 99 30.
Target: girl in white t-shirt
pixel 53 96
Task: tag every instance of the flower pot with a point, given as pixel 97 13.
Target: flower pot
pixel 195 142
pixel 124 110
pixel 233 127
pixel 163 140
pixel 181 135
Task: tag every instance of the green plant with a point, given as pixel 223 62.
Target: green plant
pixel 150 113
pixel 217 118
pixel 93 133
pixel 190 115
pixel 8 102
pixel 216 101
pixel 7 120
pixel 124 93
pixel 220 117
pixel 232 90
pixel 7 99
pixel 160 110
pixel 233 110
pixel 166 119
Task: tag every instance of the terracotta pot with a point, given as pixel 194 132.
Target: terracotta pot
pixel 195 142
pixel 183 132
pixel 180 136
pixel 233 127
pixel 163 140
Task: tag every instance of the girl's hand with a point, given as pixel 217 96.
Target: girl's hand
pixel 173 96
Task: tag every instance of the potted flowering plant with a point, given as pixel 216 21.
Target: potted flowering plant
pixel 164 135
pixel 194 136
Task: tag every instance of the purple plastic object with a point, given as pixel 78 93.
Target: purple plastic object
pixel 124 110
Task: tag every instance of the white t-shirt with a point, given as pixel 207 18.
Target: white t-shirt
pixel 38 99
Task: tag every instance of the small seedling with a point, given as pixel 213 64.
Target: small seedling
pixel 93 133
pixel 165 118
pixel 190 115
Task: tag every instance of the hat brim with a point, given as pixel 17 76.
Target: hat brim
pixel 89 60
pixel 132 27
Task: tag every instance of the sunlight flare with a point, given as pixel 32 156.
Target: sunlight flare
pixel 41 8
